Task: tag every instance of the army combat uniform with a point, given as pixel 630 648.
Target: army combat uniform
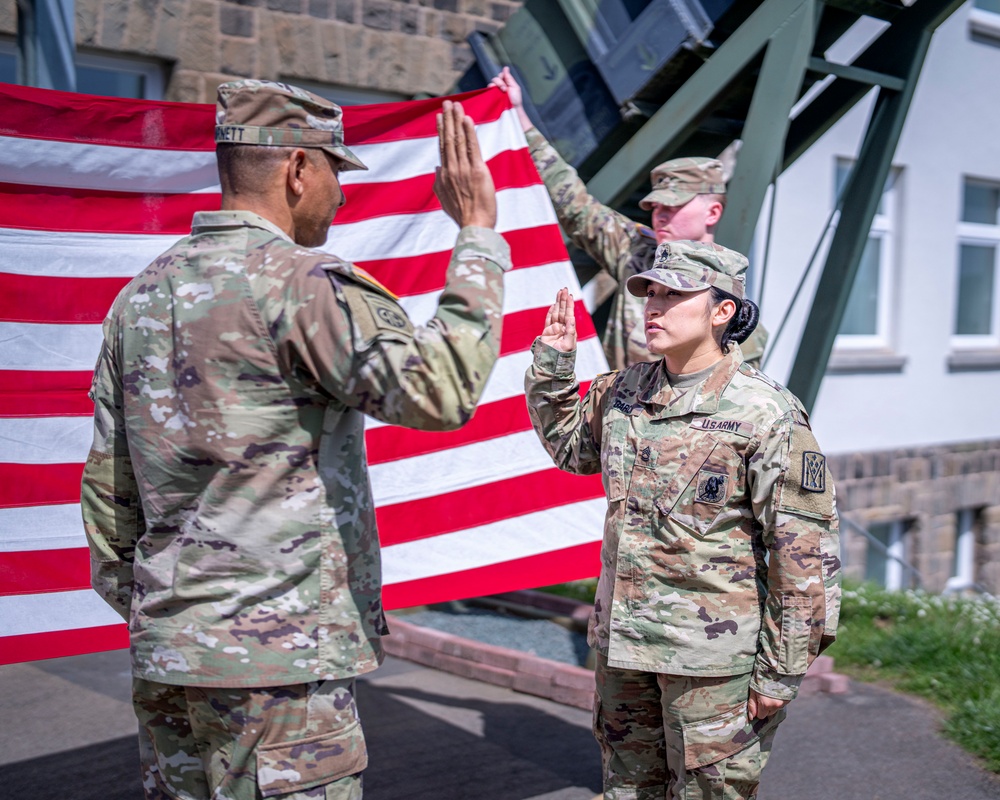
pixel 620 246
pixel 719 564
pixel 226 498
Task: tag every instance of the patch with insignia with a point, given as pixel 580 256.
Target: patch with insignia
pixel 387 315
pixel 813 471
pixel 712 488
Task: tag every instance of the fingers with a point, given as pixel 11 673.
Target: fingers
pixel 446 135
pixel 752 706
pixel 472 142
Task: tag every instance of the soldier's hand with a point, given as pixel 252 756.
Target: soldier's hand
pixel 760 706
pixel 560 323
pixel 463 182
pixel 506 83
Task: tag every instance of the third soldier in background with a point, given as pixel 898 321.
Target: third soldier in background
pixel 687 200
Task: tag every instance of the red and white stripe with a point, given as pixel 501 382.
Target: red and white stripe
pixel 92 189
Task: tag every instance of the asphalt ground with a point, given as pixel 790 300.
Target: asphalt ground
pixel 67 733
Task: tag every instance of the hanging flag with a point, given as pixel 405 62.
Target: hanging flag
pixel 92 189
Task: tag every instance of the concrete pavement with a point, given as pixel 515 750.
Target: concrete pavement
pixel 67 733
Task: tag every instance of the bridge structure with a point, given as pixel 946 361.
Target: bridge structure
pixel 619 86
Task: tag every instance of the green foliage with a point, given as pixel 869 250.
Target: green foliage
pixel 944 648
pixel 575 590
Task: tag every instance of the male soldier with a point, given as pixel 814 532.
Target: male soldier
pixel 687 201
pixel 226 497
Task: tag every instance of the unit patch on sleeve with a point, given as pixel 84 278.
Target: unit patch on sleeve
pixel 813 471
pixel 388 316
pixel 713 488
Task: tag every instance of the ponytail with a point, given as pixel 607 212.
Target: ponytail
pixel 743 322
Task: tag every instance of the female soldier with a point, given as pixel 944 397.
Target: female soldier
pixel 719 575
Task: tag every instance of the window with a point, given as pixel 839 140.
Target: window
pixel 119 77
pixel 984 21
pixel 866 323
pixel 977 306
pixel 963 573
pixel 8 62
pixel 883 563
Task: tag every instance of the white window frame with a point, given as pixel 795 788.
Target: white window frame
pixel 979 233
pixel 153 72
pixel 963 573
pixel 884 231
pixel 983 22
pixel 894 577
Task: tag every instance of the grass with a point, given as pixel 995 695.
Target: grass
pixel 575 590
pixel 943 648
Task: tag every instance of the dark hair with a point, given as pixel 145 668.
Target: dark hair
pixel 246 168
pixel 743 322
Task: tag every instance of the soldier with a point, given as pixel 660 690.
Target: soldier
pixel 226 497
pixel 687 200
pixel 719 577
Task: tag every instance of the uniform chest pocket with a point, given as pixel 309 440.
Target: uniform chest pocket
pixel 707 490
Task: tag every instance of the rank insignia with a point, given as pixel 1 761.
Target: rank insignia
pixel 813 472
pixel 712 488
pixel 645 453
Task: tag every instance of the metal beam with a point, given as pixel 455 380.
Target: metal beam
pixel 856 74
pixel 861 198
pixel 680 115
pixel 777 89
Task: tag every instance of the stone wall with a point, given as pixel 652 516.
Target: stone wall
pixel 386 45
pixel 925 488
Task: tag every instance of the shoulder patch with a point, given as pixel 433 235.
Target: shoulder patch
pixel 736 426
pixel 807 488
pixel 373 281
pixel 374 313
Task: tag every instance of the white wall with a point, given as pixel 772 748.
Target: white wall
pixel 953 130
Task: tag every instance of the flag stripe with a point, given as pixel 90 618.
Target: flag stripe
pixel 50 527
pixel 59 644
pixel 59 570
pixel 39 484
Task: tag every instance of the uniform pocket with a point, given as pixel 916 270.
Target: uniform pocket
pixel 796 625
pixel 710 483
pixel 288 767
pixel 711 740
pixel 613 434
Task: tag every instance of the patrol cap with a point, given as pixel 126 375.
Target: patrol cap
pixel 277 114
pixel 692 266
pixel 677 181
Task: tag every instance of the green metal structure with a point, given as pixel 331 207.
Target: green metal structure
pixel 753 71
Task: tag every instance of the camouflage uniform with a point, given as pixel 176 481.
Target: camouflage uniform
pixel 226 497
pixel 622 247
pixel 719 566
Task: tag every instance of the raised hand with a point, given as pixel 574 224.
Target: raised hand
pixel 560 323
pixel 505 82
pixel 463 182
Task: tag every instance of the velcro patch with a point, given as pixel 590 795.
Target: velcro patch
pixel 736 426
pixel 813 471
pixel 387 315
pixel 713 487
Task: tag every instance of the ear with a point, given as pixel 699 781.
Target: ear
pixel 723 313
pixel 713 213
pixel 295 167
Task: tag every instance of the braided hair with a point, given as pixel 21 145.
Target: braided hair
pixel 743 322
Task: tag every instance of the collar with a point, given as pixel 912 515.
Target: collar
pixel 702 398
pixel 212 221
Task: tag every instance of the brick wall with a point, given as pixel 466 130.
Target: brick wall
pixel 385 45
pixel 925 488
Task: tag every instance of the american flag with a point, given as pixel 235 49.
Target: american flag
pixel 92 189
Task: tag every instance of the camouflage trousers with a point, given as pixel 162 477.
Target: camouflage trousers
pixel 290 742
pixel 676 737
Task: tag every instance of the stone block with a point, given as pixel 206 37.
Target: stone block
pixel 454 28
pixel 532 684
pixel 249 3
pixel 88 15
pixel 578 698
pixel 332 46
pixel 188 86
pixel 322 9
pixel 378 14
pixel 501 11
pixel 573 678
pixel 493 656
pixel 833 683
pixel 236 21
pixel 446 5
pixel 141 26
pixel 286 6
pixel 239 57
pixel 411 20
pixel 821 665
pixel 114 22
pixel 475 8
pixel 298 44
pixel 533 665
pixel 461 57
pixel 168 28
pixel 8 17
pixel 347 10
pixel 199 39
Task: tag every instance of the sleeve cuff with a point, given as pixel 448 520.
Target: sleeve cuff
pixel 553 362
pixel 488 242
pixel 768 682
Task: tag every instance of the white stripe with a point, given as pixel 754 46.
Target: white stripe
pixel 458 468
pixel 507 540
pixel 67 440
pixel 56 527
pixel 54 611
pixel 97 255
pixel 81 165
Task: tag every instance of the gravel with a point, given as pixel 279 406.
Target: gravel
pixel 537 637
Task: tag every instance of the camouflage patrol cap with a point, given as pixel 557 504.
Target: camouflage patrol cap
pixel 692 266
pixel 677 181
pixel 277 114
